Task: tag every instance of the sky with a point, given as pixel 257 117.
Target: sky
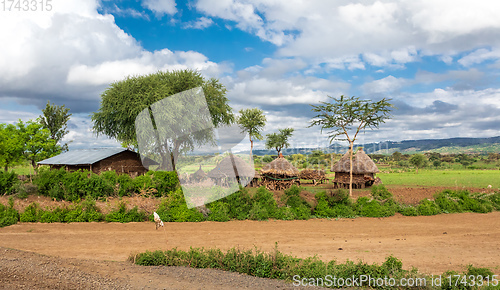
pixel 438 61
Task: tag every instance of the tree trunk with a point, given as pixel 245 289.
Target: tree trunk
pixel 350 170
pixel 416 170
pixel 251 147
pixel 6 168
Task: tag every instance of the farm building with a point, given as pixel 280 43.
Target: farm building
pixel 199 175
pixel 279 174
pixel 363 171
pixel 227 170
pixel 98 160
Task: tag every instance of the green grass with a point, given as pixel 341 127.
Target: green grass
pixel 451 178
pixel 25 169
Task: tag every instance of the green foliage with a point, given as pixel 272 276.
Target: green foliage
pixel 275 265
pixel 164 182
pixel 409 211
pixel 374 208
pixel 418 160
pixel 83 211
pixel 7 182
pixel 31 213
pixel 380 192
pixel 11 145
pixel 8 215
pixel 428 207
pixel 123 100
pixel 279 140
pixel 252 121
pixel 122 215
pixel 264 206
pixel 174 209
pixel 239 204
pixel 219 211
pixel 55 119
pixel 37 142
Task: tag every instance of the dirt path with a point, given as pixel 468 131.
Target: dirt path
pixel 432 244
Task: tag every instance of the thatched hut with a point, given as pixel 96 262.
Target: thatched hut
pixel 232 167
pixel 279 174
pixel 199 175
pixel 257 180
pixel 363 171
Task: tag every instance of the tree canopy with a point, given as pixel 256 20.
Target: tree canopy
pixel 11 145
pixel 344 114
pixel 418 160
pixel 124 100
pixel 279 140
pixel 55 119
pixel 252 121
pixel 38 144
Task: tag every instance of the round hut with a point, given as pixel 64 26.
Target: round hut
pixel 232 167
pixel 279 174
pixel 363 171
pixel 199 175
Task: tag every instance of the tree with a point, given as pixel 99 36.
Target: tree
pixel 55 119
pixel 279 140
pixel 38 144
pixel 418 160
pixel 124 100
pixel 344 113
pixel 252 121
pixel 396 156
pixel 11 146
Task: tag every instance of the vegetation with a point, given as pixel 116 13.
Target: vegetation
pixel 124 100
pixel 277 265
pixel 55 119
pixel 344 113
pixel 418 160
pixel 253 122
pixel 279 140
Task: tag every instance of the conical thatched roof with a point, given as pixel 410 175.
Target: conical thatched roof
pixel 361 163
pixel 199 174
pixel 225 168
pixel 280 166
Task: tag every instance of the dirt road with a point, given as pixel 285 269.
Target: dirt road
pixel 432 244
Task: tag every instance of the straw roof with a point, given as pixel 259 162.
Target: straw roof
pixel 199 174
pixel 361 163
pixel 225 168
pixel 280 166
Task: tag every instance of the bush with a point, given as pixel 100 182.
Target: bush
pixel 374 208
pixel 338 196
pixel 7 182
pixel 409 211
pixel 31 213
pixel 380 192
pixel 165 182
pixel 174 209
pixel 239 204
pixel 122 215
pixel 428 207
pixel 219 211
pixel 84 211
pixel 8 215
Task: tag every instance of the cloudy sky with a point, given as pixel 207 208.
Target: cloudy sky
pixel 439 61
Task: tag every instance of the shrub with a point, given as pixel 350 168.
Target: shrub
pixel 219 211
pixel 239 204
pixel 122 215
pixel 126 185
pixel 7 182
pixel 165 182
pixel 31 213
pixel 264 206
pixel 428 207
pixel 46 179
pixel 380 192
pixel 338 196
pixel 8 215
pixel 409 211
pixel 174 209
pixel 84 211
pixel 24 189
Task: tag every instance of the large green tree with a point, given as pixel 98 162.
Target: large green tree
pixel 252 121
pixel 418 160
pixel 55 119
pixel 347 116
pixel 11 146
pixel 124 100
pixel 279 140
pixel 38 144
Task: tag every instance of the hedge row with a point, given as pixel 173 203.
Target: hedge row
pixel 63 185
pixel 314 272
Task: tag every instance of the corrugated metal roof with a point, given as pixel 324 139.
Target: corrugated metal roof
pixel 82 156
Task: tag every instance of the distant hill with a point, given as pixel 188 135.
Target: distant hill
pixel 444 146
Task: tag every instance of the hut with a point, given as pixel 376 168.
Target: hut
pixel 232 167
pixel 199 175
pixel 363 171
pixel 98 160
pixel 256 181
pixel 279 174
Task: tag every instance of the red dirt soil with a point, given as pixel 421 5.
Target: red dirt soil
pixel 432 244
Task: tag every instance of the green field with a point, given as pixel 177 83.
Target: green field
pixel 451 178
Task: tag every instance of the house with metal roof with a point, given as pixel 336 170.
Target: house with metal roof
pixel 98 160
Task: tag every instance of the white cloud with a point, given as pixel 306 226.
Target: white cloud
pixel 200 23
pixel 479 56
pixel 160 7
pixel 386 85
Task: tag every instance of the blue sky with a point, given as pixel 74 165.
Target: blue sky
pixel 439 61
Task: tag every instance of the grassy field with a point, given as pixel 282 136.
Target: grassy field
pixel 451 178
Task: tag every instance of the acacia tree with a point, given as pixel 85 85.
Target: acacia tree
pixel 252 121
pixel 124 100
pixel 279 140
pixel 418 160
pixel 344 114
pixel 55 119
